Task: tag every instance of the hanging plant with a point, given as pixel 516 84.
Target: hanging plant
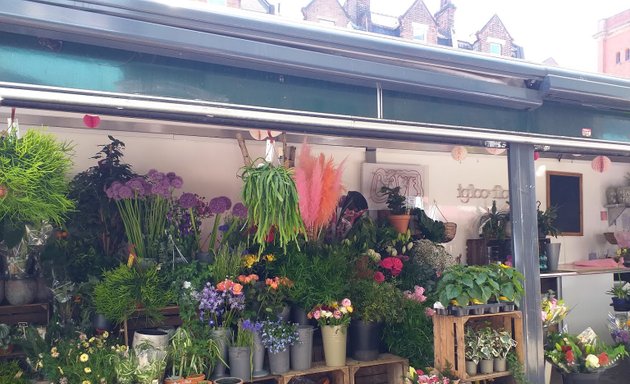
pixel 271 198
pixel 319 188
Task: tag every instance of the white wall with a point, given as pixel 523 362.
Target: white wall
pixel 210 167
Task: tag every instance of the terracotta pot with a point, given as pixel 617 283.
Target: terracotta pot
pixel 195 379
pixel 400 222
pixel 174 380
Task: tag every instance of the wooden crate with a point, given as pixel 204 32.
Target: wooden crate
pixel 340 375
pixel 29 313
pixel 139 321
pixel 387 369
pixel 448 333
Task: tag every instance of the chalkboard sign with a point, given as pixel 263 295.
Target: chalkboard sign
pixel 564 191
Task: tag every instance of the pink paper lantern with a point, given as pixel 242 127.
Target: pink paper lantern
pixel 459 153
pixel 91 121
pixel 601 164
pixel 536 156
pixel 495 151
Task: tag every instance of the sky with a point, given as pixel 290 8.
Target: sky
pixel 562 29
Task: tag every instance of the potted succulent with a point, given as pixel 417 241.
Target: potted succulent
pixel 471 351
pixel 399 213
pixel 33 195
pixel 503 344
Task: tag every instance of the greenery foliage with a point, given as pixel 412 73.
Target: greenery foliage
pixel 433 230
pixel 546 220
pixel 413 337
pixel 271 198
pixel 11 373
pixel 32 175
pixel 125 289
pixel 378 302
pixel 494 223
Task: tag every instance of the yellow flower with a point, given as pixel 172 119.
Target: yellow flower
pixel 60 370
pixel 350 309
pixel 92 339
pixel 105 335
pixel 455 303
pixel 249 260
pixel 412 371
pixel 269 257
pixel 503 298
pixel 476 301
pixel 87 370
pixel 504 266
pixel 86 382
pixel 84 357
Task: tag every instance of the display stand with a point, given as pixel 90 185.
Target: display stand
pixel 387 369
pixel 448 333
pixel 37 313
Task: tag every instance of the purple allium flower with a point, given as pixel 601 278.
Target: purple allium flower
pixel 171 175
pixel 155 176
pixel 110 193
pixel 220 204
pixel 151 174
pixel 177 182
pixel 125 192
pixel 188 200
pixel 239 210
pixel 137 185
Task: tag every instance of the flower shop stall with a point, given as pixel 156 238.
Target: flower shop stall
pixel 134 237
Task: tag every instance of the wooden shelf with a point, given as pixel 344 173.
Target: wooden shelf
pixel 37 313
pixel 449 346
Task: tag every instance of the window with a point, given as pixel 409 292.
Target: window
pixel 618 57
pixel 420 31
pixel 627 54
pixel 496 48
pixel 324 21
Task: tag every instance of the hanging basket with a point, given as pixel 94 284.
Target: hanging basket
pixel 450 229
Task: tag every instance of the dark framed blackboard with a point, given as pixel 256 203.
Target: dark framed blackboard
pixel 564 191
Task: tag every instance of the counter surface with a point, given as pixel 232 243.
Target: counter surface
pixel 572 270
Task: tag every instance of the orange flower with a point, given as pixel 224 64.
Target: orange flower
pixel 286 282
pixel 272 283
pixel 237 289
pixel 225 285
pixel 243 279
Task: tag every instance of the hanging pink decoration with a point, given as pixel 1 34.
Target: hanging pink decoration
pixel 459 153
pixel 601 164
pixel 495 151
pixel 91 121
pixel 536 156
pixel 262 134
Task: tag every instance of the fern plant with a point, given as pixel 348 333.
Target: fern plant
pixel 33 182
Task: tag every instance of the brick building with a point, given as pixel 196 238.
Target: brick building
pixel 415 23
pixel 613 37
pixel 261 6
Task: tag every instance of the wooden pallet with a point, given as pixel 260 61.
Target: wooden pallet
pixel 340 375
pixel 29 313
pixel 448 333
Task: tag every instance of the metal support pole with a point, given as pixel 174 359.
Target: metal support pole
pixel 525 250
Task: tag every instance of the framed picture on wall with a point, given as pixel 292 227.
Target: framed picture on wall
pixel 564 192
pixel 410 178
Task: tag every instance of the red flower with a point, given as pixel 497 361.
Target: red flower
pixel 387 262
pixel 603 359
pixel 393 264
pixel 379 277
pixel 570 357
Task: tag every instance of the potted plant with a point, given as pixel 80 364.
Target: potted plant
pixel 546 221
pixel 241 351
pixel 620 296
pixel 486 349
pixel 462 285
pixel 270 194
pixel 503 344
pixel 277 337
pixel 33 196
pixel 376 303
pixel 494 223
pixel 399 213
pixel 191 357
pixel 471 351
pixel 273 298
pixel 510 283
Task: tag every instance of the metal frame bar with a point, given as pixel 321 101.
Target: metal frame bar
pixel 522 185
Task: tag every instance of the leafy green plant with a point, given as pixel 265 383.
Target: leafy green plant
pixel 503 344
pixel 11 373
pixel 430 229
pixel 377 302
pixel 271 198
pixel 32 179
pixel 619 290
pixel 191 355
pixel 510 282
pixel 395 201
pixel 413 336
pixel 227 262
pixel 493 223
pixel 471 346
pixel 461 285
pixel 320 273
pixel 486 343
pixel 516 368
pixel 126 289
pixel 546 220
